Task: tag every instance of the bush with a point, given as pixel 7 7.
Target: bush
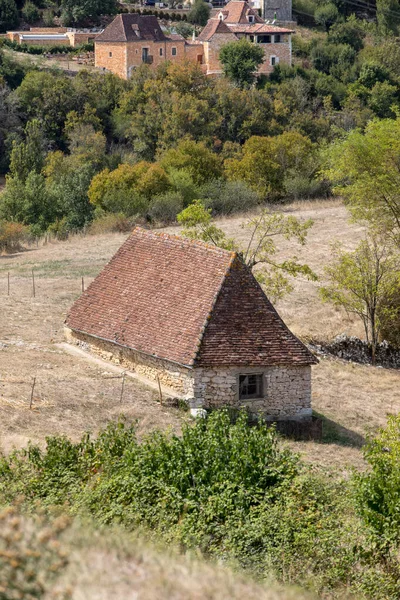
pixel 110 223
pixel 12 235
pixel 301 187
pixel 227 197
pixel 31 556
pixel 48 17
pixel 165 207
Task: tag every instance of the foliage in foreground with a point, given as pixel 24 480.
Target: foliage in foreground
pixel 227 489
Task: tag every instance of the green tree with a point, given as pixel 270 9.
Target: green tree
pixel 78 11
pixel 30 12
pixel 199 13
pixel 348 32
pixel 8 15
pixel 365 170
pixel 29 155
pixel 240 60
pixel 194 157
pixel 326 15
pixel 388 16
pixel 362 282
pixel 261 248
pixel 265 161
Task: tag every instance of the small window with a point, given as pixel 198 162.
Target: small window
pixel 252 38
pixel 274 60
pixel 173 51
pixel 161 52
pixel 264 39
pixel 250 386
pixel 110 54
pixel 251 18
pixel 277 39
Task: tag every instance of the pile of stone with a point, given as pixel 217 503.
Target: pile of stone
pixel 353 349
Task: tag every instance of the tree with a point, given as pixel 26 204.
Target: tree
pixel 128 188
pixel 8 15
pixel 29 155
pixel 194 157
pixel 240 61
pixel 326 15
pixel 261 247
pixel 350 32
pixel 365 170
pixel 362 282
pixel 30 12
pixel 265 161
pixel 78 11
pixel 199 13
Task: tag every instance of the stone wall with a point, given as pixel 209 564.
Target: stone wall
pixel 111 56
pixel 286 391
pixel 172 375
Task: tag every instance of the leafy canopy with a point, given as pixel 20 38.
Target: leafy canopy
pixel 240 60
pixel 261 248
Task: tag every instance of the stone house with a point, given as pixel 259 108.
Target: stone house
pixel 133 39
pixel 193 317
pixel 237 20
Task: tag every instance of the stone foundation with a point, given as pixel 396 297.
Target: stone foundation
pixel 286 389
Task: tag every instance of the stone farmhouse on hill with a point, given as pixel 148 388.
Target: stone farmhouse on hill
pixel 133 39
pixel 193 317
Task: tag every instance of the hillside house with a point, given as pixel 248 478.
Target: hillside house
pixel 238 20
pixel 133 39
pixel 193 316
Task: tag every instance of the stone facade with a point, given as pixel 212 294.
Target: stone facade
pixel 121 58
pixel 286 389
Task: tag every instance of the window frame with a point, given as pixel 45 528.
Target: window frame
pixel 259 386
pixel 174 51
pixel 274 60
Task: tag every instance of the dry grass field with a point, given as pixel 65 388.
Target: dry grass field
pixel 73 395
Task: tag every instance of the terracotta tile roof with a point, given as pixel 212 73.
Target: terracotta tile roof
pixel 256 28
pixel 236 11
pixel 245 328
pixel 131 28
pixel 214 26
pixel 187 302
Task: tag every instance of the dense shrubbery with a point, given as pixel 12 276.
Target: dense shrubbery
pixel 29 49
pixel 230 490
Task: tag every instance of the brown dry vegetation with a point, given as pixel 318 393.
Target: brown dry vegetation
pixel 73 395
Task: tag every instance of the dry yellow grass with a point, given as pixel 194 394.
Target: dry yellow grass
pixel 73 395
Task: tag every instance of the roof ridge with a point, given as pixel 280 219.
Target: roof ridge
pixel 207 320
pixel 179 238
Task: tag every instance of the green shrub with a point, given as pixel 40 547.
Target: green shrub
pixel 227 197
pixel 110 223
pixel 165 207
pixel 12 235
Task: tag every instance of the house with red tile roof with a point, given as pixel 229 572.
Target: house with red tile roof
pixel 193 317
pixel 133 39
pixel 239 20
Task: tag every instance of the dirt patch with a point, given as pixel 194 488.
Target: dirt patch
pixel 72 395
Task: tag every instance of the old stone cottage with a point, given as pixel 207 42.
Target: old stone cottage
pixel 193 316
pixel 133 39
